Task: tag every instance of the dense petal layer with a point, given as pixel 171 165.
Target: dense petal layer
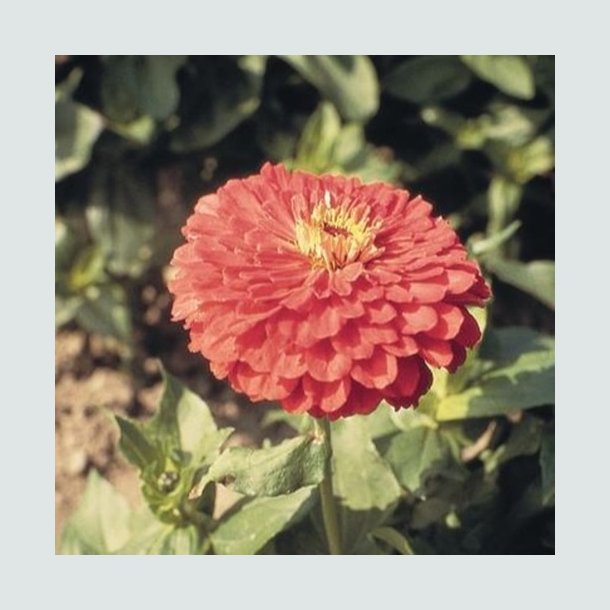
pixel 324 293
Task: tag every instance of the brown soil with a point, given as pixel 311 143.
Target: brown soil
pixel 93 382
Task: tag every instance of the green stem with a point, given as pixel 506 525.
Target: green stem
pixel 329 508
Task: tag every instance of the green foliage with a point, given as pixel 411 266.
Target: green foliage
pixel 246 532
pixel 136 85
pixel 395 539
pixel 349 81
pixel 120 216
pixel 272 471
pixel 77 128
pixel 517 372
pixel 428 79
pixel 363 482
pixel 100 525
pixel 536 278
pixel 172 450
pixel 472 469
pixel 417 454
pixel 231 94
pixel 547 464
pixel 327 146
pixel 509 73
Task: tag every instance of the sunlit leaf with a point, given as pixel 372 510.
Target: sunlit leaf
pixel 100 524
pixel 534 159
pixel 489 244
pixel 395 539
pixel 77 128
pixel 364 484
pixel 317 142
pixel 87 269
pixel 504 197
pixel 326 146
pixel 519 374
pixel 509 73
pixel 186 420
pixel 349 81
pixel 152 537
pixel 536 278
pixel 183 423
pixel 257 522
pixel 272 471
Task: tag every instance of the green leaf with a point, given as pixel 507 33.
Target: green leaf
pixel 104 310
pixel 77 128
pixel 185 422
pixel 152 537
pixel 247 530
pixel 66 309
pixel 273 471
pixel 518 373
pixel 536 278
pixel 100 524
pixel 418 453
pixel 503 124
pixel 485 245
pixel 121 218
pixel 504 197
pixel 533 159
pixel 380 422
pixel 547 465
pixel 226 93
pixel 140 84
pixel 135 444
pixel 428 79
pixel 395 539
pixel 524 439
pixel 172 451
pixel 87 269
pixel 366 488
pixel 158 91
pixel 509 73
pixel 511 124
pixel 349 81
pixel 317 142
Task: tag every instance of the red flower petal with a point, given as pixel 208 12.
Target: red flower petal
pixel 326 364
pixel 324 293
pixel 378 371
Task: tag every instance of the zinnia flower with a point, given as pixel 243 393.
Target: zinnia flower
pixel 324 293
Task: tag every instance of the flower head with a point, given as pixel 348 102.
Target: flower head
pixel 324 293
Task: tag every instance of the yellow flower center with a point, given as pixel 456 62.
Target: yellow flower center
pixel 332 237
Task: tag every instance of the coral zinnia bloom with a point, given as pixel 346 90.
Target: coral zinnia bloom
pixel 324 293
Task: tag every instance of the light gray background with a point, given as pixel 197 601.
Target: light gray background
pixel 31 575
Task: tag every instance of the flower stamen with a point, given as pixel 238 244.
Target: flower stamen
pixel 333 237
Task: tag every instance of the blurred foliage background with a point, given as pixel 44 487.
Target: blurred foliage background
pixel 139 138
